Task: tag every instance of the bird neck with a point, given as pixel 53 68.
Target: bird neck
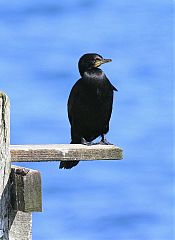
pixel 93 73
pixel 81 69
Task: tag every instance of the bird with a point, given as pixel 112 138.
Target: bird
pixel 89 104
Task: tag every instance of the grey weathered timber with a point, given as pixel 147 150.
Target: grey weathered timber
pixel 21 228
pixel 4 166
pixel 60 152
pixel 25 189
pixel 14 225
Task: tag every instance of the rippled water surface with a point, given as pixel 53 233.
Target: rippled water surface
pixel 40 44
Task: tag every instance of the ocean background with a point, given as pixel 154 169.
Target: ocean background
pixel 40 45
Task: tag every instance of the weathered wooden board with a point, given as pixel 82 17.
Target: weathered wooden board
pixel 14 225
pixel 25 189
pixel 59 152
pixel 21 225
pixel 5 166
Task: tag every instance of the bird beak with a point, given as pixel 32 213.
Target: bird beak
pixel 99 62
pixel 106 60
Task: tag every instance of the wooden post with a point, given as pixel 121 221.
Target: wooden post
pixel 25 193
pixel 20 189
pixel 5 167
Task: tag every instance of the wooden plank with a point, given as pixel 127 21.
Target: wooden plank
pixel 5 166
pixel 25 189
pixel 66 152
pixel 21 225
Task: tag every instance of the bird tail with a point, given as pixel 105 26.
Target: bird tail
pixel 69 164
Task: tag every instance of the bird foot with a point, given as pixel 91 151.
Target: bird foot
pixel 104 142
pixel 84 142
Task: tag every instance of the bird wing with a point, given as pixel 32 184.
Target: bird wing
pixel 113 88
pixel 73 100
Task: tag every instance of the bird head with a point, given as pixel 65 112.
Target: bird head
pixel 89 61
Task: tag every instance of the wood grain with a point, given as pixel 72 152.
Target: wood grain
pixel 14 225
pixel 5 165
pixel 21 228
pixel 64 152
pixel 25 189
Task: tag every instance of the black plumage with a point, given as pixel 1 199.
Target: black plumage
pixel 89 104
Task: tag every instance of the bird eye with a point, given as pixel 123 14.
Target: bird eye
pixel 98 59
pixel 93 61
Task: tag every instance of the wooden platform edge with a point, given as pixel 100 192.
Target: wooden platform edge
pixel 64 152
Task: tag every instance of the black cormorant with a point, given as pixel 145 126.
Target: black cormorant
pixel 89 104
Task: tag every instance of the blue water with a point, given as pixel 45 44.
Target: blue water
pixel 40 44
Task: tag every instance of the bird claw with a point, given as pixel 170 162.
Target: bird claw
pixel 105 142
pixel 84 142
